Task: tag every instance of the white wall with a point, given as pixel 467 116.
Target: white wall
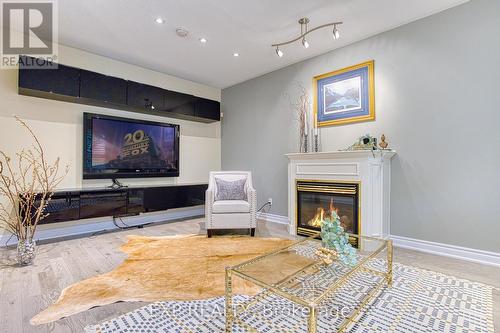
pixel 59 124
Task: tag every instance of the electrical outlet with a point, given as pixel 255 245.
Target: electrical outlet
pixel 270 201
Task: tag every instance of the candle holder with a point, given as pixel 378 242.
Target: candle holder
pixel 316 142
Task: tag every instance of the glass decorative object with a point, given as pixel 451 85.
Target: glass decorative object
pixel 316 142
pixel 26 250
pixel 334 237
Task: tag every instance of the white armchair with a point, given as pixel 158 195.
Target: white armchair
pixel 230 214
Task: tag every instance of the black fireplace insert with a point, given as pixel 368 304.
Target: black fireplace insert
pixel 317 200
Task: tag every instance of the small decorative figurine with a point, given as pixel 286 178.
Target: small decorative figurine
pixel 366 142
pixel 382 143
pixel 326 255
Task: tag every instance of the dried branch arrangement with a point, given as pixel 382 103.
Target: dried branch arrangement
pixel 28 184
pixel 301 107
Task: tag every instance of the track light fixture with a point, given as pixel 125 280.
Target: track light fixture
pixel 305 31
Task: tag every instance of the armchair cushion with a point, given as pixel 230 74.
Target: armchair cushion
pixel 230 190
pixel 231 206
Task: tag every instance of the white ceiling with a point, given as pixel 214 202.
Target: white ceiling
pixel 125 30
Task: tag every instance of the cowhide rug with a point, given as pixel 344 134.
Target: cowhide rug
pixel 178 268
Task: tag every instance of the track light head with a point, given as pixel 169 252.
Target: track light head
pixel 305 43
pixel 279 53
pixel 336 33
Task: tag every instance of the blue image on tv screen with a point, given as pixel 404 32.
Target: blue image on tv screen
pixel 118 144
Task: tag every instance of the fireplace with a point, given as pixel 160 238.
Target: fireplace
pixel 362 174
pixel 317 199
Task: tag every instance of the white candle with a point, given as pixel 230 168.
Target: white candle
pixel 315 125
pixel 305 124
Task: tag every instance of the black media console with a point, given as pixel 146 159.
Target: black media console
pixel 70 205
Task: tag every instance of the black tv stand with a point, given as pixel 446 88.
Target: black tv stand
pixel 116 184
pixel 84 203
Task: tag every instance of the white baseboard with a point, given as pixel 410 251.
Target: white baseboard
pixel 86 227
pixel 453 251
pixel 446 250
pixel 274 218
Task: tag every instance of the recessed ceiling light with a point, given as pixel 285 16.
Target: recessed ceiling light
pixel 159 20
pixel 236 54
pixel 203 40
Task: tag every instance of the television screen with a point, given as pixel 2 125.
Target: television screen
pixel 123 148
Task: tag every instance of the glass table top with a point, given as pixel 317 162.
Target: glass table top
pixel 305 272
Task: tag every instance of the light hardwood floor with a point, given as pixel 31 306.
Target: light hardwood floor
pixel 24 291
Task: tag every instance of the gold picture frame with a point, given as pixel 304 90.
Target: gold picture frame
pixel 345 108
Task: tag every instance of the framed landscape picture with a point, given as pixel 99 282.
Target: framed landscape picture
pixel 345 96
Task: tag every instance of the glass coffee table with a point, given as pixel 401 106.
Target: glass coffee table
pixel 299 277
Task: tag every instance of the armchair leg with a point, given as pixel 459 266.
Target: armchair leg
pixel 209 233
pixel 252 232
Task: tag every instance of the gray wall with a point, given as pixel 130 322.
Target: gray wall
pixel 437 101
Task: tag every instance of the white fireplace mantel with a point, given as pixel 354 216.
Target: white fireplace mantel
pixel 372 169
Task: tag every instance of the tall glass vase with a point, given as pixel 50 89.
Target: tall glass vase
pixel 26 251
pixel 304 143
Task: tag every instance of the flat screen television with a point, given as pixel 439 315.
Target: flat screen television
pixel 126 148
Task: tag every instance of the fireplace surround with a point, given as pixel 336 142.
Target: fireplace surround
pixel 365 172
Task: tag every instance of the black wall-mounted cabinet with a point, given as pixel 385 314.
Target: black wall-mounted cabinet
pixel 76 85
pixel 205 108
pixel 179 103
pixel 103 88
pixel 143 96
pixel 63 81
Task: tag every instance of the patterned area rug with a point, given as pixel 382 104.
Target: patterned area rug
pixel 419 301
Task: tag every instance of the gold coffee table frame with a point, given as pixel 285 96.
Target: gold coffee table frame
pixel 311 305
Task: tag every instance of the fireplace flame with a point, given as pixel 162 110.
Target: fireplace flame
pixel 333 208
pixel 319 217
